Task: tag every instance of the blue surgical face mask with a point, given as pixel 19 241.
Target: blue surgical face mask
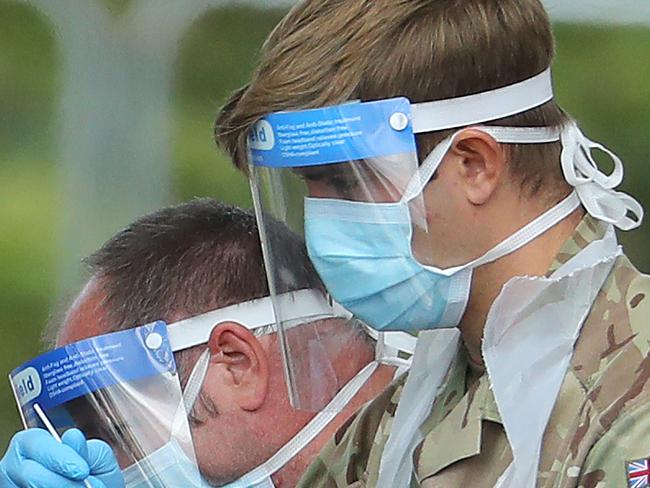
pixel 167 467
pixel 362 252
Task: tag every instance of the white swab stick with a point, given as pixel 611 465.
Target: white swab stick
pixel 50 428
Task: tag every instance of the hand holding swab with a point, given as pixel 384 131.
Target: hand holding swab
pixel 50 428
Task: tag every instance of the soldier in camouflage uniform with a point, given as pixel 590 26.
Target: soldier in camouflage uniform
pixel 600 421
pixel 327 52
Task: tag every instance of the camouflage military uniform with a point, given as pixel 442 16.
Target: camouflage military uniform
pixel 601 418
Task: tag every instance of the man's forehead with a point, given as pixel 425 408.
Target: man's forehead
pixel 84 318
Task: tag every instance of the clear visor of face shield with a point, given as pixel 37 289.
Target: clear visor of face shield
pixel 122 388
pixel 358 154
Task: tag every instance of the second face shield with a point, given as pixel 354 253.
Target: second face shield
pixel 122 388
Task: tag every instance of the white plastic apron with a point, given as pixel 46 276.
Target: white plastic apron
pixel 530 334
pixel 529 340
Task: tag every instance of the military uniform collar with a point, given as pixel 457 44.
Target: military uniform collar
pixel 588 231
pixel 459 415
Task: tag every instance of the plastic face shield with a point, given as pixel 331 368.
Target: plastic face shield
pixel 308 308
pixel 362 152
pixel 122 388
pixel 352 164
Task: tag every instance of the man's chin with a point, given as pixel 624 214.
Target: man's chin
pixel 217 478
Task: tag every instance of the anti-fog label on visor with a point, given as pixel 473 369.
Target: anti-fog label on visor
pixel 333 135
pixel 78 369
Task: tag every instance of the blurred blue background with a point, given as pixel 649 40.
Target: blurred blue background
pixel 106 112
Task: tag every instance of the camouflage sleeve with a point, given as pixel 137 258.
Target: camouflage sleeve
pixel 627 440
pixel 330 468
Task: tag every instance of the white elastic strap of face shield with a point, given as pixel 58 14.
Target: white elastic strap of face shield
pixel 482 107
pixel 301 307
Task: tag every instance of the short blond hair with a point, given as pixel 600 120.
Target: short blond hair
pixel 327 52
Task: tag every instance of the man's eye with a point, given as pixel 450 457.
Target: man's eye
pixel 122 429
pixel 343 183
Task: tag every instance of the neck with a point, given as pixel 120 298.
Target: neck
pixel 291 473
pixel 534 259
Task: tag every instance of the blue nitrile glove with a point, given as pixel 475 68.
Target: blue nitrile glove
pixel 104 470
pixel 36 460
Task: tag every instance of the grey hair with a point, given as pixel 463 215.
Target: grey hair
pixel 186 260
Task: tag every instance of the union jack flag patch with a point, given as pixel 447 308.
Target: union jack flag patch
pixel 638 473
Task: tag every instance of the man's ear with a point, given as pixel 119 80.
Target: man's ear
pixel 482 163
pixel 242 363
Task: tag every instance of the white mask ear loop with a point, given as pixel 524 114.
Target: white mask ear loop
pixel 428 168
pixel 595 188
pixel 309 432
pixel 503 135
pixel 191 392
pixel 195 381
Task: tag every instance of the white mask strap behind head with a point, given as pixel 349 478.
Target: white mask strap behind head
pixel 596 189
